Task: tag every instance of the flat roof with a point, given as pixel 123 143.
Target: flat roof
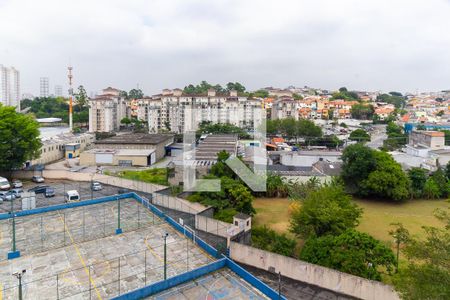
pixel 137 138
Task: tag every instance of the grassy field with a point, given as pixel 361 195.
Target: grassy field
pixel 273 212
pixel 375 220
pixel 157 176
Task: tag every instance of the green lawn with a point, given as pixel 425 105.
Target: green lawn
pixel 413 214
pixel 274 212
pixel 157 176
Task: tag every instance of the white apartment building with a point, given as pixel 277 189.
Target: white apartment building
pixel 44 87
pixel 174 111
pixel 10 87
pixel 106 111
pixel 285 107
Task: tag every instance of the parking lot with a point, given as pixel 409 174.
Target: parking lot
pixel 60 187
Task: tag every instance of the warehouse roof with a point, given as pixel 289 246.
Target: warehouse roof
pixel 137 138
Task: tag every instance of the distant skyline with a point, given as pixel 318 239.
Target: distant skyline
pixel 363 45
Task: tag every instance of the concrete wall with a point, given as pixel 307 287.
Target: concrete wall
pixel 313 274
pixel 105 179
pixel 216 227
pixel 177 204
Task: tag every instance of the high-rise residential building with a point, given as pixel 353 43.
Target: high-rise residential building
pixel 177 112
pixel 44 87
pixel 10 86
pixel 106 111
pixel 58 91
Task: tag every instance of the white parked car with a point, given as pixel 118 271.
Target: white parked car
pixel 17 183
pixel 7 195
pixel 4 184
pixel 37 179
pixel 72 196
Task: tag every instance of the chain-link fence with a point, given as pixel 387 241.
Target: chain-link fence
pixel 112 277
pixel 41 232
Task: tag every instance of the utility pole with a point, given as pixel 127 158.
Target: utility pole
pixel 19 275
pixel 70 76
pixel 165 255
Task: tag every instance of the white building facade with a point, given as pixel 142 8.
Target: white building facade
pixel 106 111
pixel 10 87
pixel 176 112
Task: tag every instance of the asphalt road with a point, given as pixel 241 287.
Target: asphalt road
pixel 377 137
pixel 60 187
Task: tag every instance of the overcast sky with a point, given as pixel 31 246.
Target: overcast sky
pixel 364 45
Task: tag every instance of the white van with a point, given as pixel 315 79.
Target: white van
pixel 72 196
pixel 4 184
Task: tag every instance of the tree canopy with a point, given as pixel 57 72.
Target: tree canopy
pixel 267 239
pixel 328 210
pixel 359 135
pixel 427 274
pixel 373 173
pixel 345 94
pixel 351 252
pixel 222 128
pixel 204 86
pixel 394 98
pixel 292 128
pixel 362 111
pixel 19 138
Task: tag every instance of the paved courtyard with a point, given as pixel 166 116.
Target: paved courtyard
pixel 223 284
pixel 75 253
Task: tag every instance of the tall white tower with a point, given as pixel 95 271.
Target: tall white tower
pixel 44 87
pixel 10 87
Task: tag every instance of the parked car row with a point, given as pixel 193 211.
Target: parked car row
pixel 9 192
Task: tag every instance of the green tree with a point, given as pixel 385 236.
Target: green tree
pixel 261 94
pixel 19 136
pixel 297 96
pixel 267 239
pixel 125 121
pixel 394 98
pixel 362 111
pixel 135 94
pixel 235 86
pixel 81 98
pixel 373 173
pixel 359 135
pixel 328 210
pixel 418 178
pixel 358 162
pixel 427 275
pixel 401 236
pixel 351 252
pixel 387 181
pixel 431 189
pixel 441 180
pixel 345 95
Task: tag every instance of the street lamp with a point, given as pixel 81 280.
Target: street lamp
pixel 165 255
pixel 19 275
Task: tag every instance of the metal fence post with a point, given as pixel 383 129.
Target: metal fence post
pixel 145 267
pixel 64 227
pixel 84 223
pixel 104 219
pixel 118 281
pixel 89 279
pixel 57 286
pixel 42 234
pixel 139 215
